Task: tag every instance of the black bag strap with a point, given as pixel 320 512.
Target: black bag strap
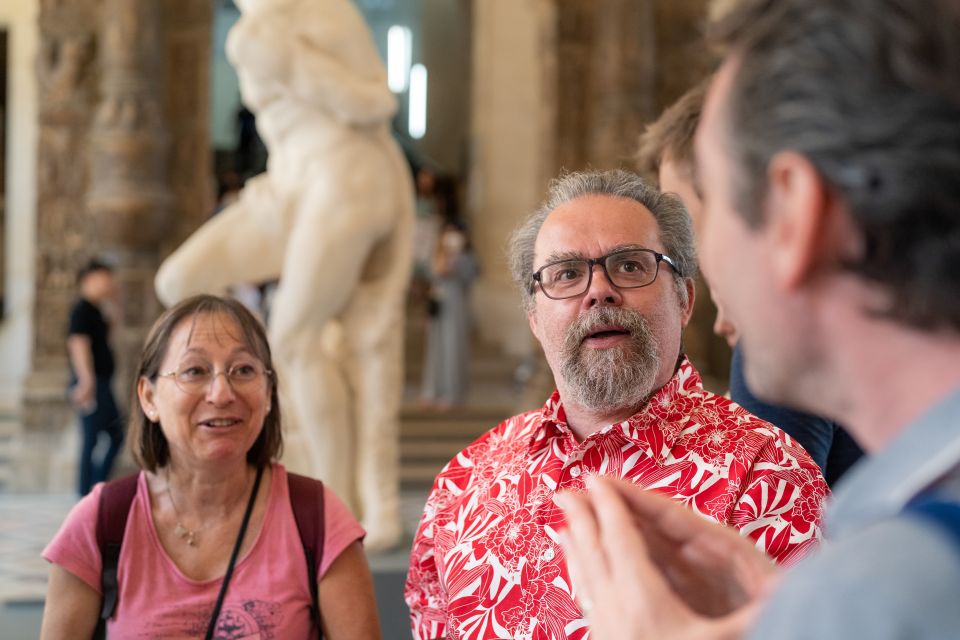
pixel 116 497
pixel 306 498
pixel 212 625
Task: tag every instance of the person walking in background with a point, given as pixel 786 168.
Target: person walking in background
pixel 453 270
pixel 91 362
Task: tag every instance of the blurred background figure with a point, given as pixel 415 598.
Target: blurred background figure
pixel 427 225
pixel 92 366
pixel 453 270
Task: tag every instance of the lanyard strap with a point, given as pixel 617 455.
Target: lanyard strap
pixel 212 626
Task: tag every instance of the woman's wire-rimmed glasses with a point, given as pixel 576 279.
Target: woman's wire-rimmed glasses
pixel 197 378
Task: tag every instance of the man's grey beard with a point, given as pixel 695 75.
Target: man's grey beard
pixel 618 377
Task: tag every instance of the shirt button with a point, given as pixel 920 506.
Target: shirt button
pixel 548 554
pixel 575 471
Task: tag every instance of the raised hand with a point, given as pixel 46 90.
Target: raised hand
pixel 647 567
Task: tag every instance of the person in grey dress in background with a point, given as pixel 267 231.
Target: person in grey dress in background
pixel 454 268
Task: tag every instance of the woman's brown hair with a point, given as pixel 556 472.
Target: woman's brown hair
pixel 147 443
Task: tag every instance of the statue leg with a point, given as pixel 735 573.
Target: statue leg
pixel 318 438
pixel 340 222
pixel 236 246
pixel 319 272
pixel 374 362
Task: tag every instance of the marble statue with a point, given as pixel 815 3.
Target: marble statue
pixel 332 217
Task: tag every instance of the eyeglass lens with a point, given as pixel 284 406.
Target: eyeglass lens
pixel 199 376
pixel 626 269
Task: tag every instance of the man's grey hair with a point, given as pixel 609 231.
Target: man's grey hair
pixel 673 222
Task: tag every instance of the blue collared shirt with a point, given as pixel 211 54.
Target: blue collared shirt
pixel 881 573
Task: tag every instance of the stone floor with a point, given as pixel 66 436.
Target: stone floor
pixel 27 522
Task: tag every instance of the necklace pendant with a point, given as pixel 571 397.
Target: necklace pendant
pixel 188 536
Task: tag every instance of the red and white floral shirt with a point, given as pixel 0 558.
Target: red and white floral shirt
pixel 486 561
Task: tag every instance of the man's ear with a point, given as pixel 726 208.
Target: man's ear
pixel 532 321
pixel 687 311
pixel 797 207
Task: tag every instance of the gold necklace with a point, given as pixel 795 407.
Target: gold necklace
pixel 187 535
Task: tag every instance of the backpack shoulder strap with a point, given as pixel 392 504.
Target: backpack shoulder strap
pixel 944 513
pixel 306 498
pixel 116 497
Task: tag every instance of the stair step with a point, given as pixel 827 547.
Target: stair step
pixel 9 428
pixel 430 450
pixel 419 474
pixel 465 432
pixel 493 413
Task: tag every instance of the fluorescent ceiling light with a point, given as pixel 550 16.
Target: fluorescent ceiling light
pixel 417 124
pixel 399 46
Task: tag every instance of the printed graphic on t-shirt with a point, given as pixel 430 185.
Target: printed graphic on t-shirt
pixel 247 620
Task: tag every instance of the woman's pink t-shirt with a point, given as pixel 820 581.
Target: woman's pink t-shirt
pixel 268 596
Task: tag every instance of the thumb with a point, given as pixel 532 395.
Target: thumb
pixel 736 624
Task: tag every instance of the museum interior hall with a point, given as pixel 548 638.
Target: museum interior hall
pixel 348 170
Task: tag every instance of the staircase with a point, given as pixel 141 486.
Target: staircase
pixel 9 430
pixel 429 439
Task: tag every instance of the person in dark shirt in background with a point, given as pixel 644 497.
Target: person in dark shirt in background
pixel 666 156
pixel 91 361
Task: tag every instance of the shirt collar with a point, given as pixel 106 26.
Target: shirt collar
pixel 684 389
pixel 882 484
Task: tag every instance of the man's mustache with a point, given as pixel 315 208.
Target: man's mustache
pixel 604 318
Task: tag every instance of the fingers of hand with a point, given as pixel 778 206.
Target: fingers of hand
pixel 581 542
pixel 631 562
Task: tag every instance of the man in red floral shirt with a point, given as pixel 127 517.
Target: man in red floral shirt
pixel 605 268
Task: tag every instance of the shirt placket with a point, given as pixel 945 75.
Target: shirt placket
pixel 572 471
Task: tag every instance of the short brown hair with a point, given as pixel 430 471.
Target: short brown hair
pixel 672 134
pixel 147 442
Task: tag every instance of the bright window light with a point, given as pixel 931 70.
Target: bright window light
pixel 399 45
pixel 417 124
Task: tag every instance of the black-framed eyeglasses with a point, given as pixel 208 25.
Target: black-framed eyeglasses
pixel 197 378
pixel 625 269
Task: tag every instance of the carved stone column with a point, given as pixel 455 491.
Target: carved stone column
pixel 124 173
pixel 512 153
pixel 129 201
pixel 67 94
pixel 186 45
pixel 606 80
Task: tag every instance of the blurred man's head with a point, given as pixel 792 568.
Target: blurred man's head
pixel 829 159
pixel 610 329
pixel 96 282
pixel 666 154
pixel 666 149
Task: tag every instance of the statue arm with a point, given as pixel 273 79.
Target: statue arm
pixel 244 243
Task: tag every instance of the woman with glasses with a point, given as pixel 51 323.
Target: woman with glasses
pixel 213 544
